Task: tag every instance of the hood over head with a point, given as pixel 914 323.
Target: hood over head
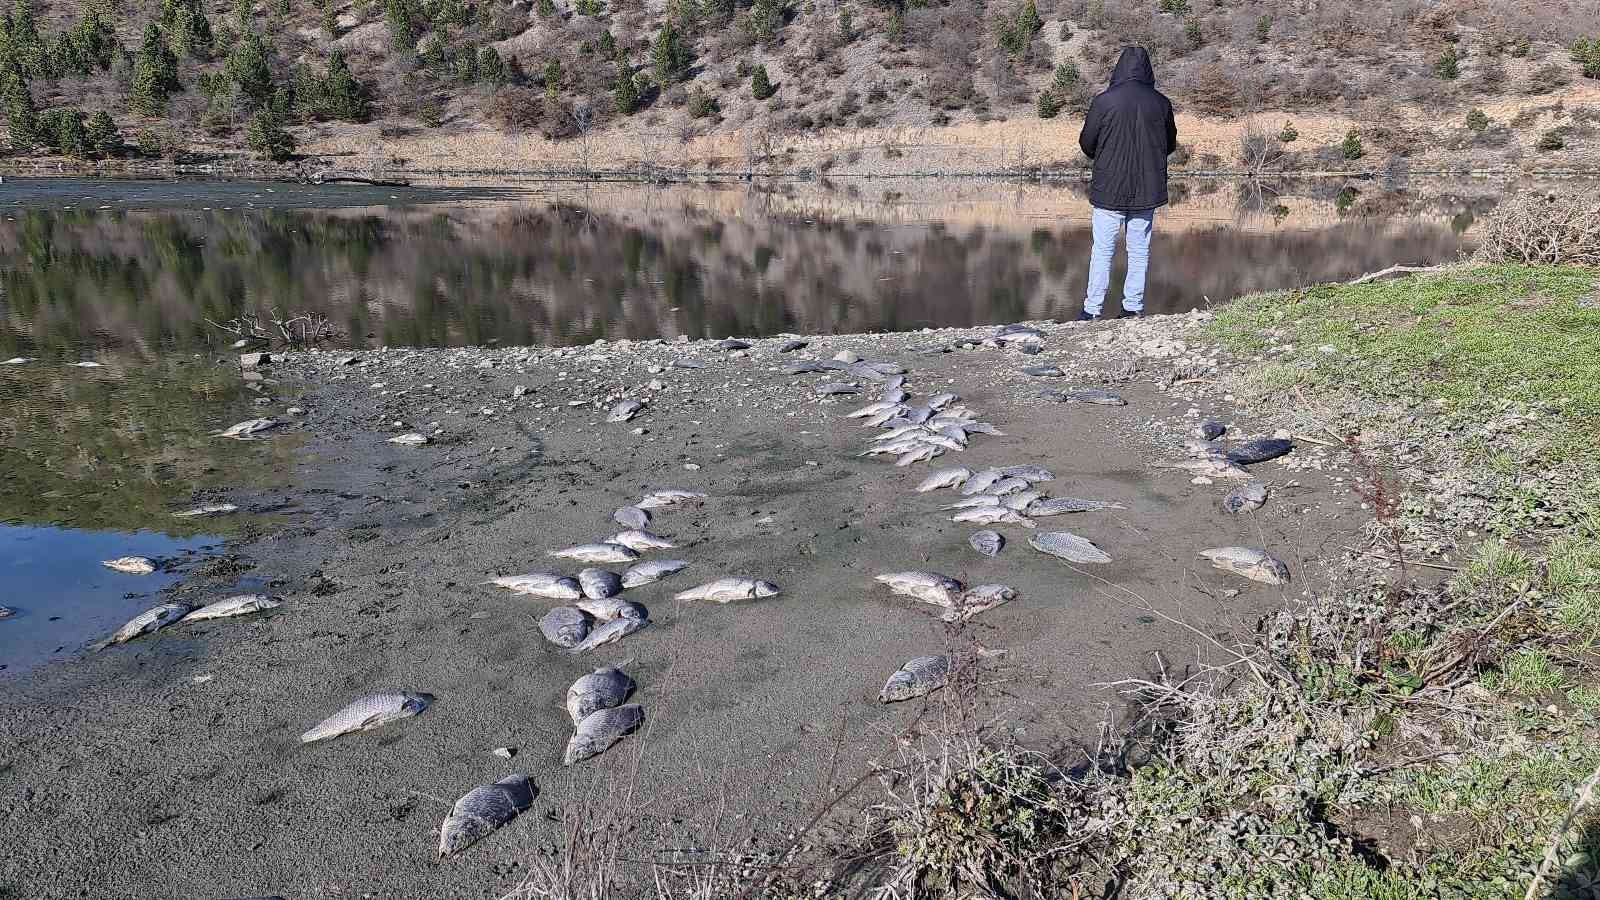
pixel 1133 65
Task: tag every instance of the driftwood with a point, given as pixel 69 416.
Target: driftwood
pixel 1393 270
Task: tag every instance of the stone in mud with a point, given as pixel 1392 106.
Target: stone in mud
pixel 847 357
pixel 652 571
pixel 727 590
pixel 130 565
pixel 1068 546
pixel 604 688
pixel 238 605
pixel 792 346
pixel 1044 371
pixel 1245 498
pixel 624 411
pixel 1256 565
pixel 640 541
pixel 410 439
pixel 919 677
pixel 631 517
pixel 1210 430
pixel 206 509
pixel 1086 395
pixel 988 543
pixel 685 363
pixel 1056 506
pixel 598 553
pixel 565 626
pixel 601 729
pixel 549 585
pixel 600 584
pixel 614 630
pixel 246 428
pixel 929 587
pixel 369 712
pixel 1259 450
pixel 669 497
pixel 152 619
pixel 483 811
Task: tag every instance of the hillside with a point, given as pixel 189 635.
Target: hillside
pixel 994 85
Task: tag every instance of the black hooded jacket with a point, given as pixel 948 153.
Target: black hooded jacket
pixel 1128 133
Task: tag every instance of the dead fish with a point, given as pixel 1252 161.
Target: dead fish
pixel 804 368
pixel 1210 430
pixel 1086 395
pixel 86 364
pixel 1044 371
pixel 1056 506
pixel 1068 546
pixel 1210 468
pixel 603 608
pixel 838 388
pixel 410 439
pixel 17 361
pixel 239 605
pixel 601 729
pixel 916 415
pixel 940 401
pixel 1256 565
pixel 1203 449
pixel 872 409
pixel 603 688
pixel 988 543
pixel 725 590
pixel 600 584
pixel 1245 498
pixel 917 678
pixel 975 500
pixel 979 599
pixel 369 712
pixel 565 626
pixel 669 497
pixel 246 428
pixel 640 541
pixel 980 481
pixel 652 571
pixel 130 565
pixel 1008 485
pixel 942 441
pixel 631 517
pixel 7 612
pixel 983 428
pixel 929 587
pixel 484 810
pixel 152 619
pixel 944 478
pixel 550 585
pixel 1259 450
pixel 614 630
pixel 1020 334
pixel 919 455
pixel 624 411
pixel 598 553
pixel 1021 500
pixel 792 346
pixel 206 509
pixel 880 418
pixel 893 395
pixel 686 363
pixel 990 515
pixel 1029 473
pixel 865 370
pixel 733 344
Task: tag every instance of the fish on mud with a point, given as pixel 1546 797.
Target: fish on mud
pixel 549 585
pixel 601 729
pixel 1207 467
pixel 732 344
pixel 791 346
pixel 1259 450
pixel 1021 500
pixel 565 626
pixel 992 515
pixel 640 541
pixel 624 411
pixel 1210 430
pixel 369 712
pixel 600 584
pixel 604 608
pixel 942 441
pixel 1031 473
pixel 919 677
pixel 246 428
pixel 238 605
pixel 1008 485
pixel 652 571
pixel 1256 565
pixel 806 367
pixel 614 630
pixel 940 401
pixel 727 590
pixel 604 688
pixel 838 389
pixel 1056 506
pixel 872 409
pixel 987 543
pixel 131 565
pixel 944 478
pixel 893 395
pixel 152 619
pixel 669 497
pixel 979 599
pixel 975 500
pixel 410 439
pixel 206 509
pixel 1086 395
pixel 1044 371
pixel 878 419
pixel 1245 498
pixel 980 481
pixel 484 810
pixel 920 454
pixel 929 587
pixel 1068 546
pixel 598 553
pixel 631 517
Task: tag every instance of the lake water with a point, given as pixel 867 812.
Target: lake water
pixel 145 278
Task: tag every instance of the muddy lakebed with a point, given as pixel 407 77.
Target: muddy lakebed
pixel 505 331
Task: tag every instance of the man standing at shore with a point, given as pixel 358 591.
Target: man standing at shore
pixel 1128 132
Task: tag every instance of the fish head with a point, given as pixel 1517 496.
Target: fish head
pixel 460 832
pixel 901 686
pixel 766 589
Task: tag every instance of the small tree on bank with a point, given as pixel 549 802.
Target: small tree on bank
pixel 103 135
pixel 761 86
pixel 267 138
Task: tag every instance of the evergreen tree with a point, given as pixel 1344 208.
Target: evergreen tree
pixel 761 86
pixel 64 131
pixel 28 49
pixel 719 11
pixel 66 58
pixel 1448 65
pixel 766 17
pixel 547 9
pixel 1048 105
pixel 155 73
pixel 1351 148
pixel 247 66
pixel 1066 78
pixel 491 68
pixel 402 25
pixel 21 115
pixel 552 79
pixel 266 137
pixel 625 91
pixel 95 38
pixel 670 56
pixel 103 135
pixel 343 94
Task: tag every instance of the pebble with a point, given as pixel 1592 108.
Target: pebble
pixel 691 467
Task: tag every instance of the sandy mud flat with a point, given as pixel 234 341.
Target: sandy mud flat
pixel 172 767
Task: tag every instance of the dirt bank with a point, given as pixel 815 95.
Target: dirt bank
pixel 170 767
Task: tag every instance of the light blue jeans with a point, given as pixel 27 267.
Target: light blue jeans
pixel 1108 225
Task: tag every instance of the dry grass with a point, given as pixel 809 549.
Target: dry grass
pixel 1539 228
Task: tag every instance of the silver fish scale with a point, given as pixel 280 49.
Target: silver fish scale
pixel 652 571
pixel 601 689
pixel 919 677
pixel 944 478
pixel 614 630
pixel 1056 506
pixel 1068 546
pixel 239 605
pixel 980 482
pixel 631 517
pixel 1245 498
pixel 988 543
pixel 599 730
pixel 600 584
pixel 153 619
pixel 484 810
pixel 600 553
pixel 369 712
pixel 549 585
pixel 1027 472
pixel 565 626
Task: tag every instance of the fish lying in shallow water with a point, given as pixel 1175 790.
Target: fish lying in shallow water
pixel 1256 565
pixel 601 729
pixel 239 605
pixel 484 810
pixel 929 587
pixel 246 428
pixel 652 571
pixel 624 411
pixel 988 543
pixel 598 553
pixel 727 590
pixel 152 619
pixel 919 677
pixel 631 517
pixel 669 497
pixel 369 712
pixel 131 565
pixel 549 585
pixel 1068 546
pixel 565 626
pixel 603 688
pixel 1245 498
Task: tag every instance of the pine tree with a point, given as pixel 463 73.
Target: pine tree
pixel 343 94
pixel 671 58
pixel 1066 78
pixel 766 17
pixel 1049 106
pixel 103 135
pixel 21 115
pixel 547 9
pixel 1448 65
pixel 625 91
pixel 247 66
pixel 266 137
pixel 1351 148
pixel 155 73
pixel 761 86
pixel 64 131
pixel 402 25
pixel 552 79
pixel 491 68
pixel 28 49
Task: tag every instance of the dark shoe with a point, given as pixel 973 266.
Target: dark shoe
pixel 1085 317
pixel 1131 314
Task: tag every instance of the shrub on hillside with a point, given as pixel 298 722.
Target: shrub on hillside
pixel 1477 120
pixel 1558 229
pixel 1548 78
pixel 1351 148
pixel 267 138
